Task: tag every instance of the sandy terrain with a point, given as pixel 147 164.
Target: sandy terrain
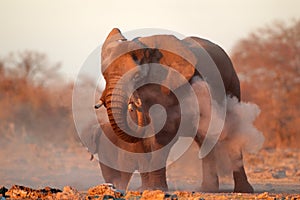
pixel 40 164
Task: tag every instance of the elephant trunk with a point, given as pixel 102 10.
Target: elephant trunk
pixel 116 104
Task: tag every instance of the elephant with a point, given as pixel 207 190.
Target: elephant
pixel 129 68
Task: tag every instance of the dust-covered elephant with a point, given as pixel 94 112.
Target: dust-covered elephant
pixel 143 79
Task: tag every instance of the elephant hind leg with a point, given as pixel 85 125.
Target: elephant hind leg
pixel 241 183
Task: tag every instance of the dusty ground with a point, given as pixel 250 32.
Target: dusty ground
pixel 40 164
pixel 106 191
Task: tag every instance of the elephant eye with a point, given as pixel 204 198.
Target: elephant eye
pixel 140 73
pixel 122 40
pixel 136 76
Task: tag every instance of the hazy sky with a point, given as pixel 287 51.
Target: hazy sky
pixel 68 30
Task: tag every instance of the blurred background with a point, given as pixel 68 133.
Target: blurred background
pixel 44 43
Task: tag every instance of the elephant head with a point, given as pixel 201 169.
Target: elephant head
pixel 128 65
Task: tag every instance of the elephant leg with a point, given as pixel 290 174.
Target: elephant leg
pixel 241 183
pixel 118 178
pixel 125 178
pixel 158 180
pixel 109 174
pixel 145 181
pixel 210 182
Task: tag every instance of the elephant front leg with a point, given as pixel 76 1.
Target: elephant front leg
pixel 118 178
pixel 145 181
pixel 125 178
pixel 109 174
pixel 158 180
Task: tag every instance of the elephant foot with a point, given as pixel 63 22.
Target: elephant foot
pixel 241 183
pixel 141 189
pixel 165 188
pixel 162 188
pixel 157 186
pixel 158 180
pixel 244 187
pixel 210 187
pixel 210 183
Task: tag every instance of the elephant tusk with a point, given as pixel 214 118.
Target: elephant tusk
pixel 99 104
pixel 131 107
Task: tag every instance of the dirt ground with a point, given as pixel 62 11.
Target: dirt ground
pixel 270 170
pixel 37 165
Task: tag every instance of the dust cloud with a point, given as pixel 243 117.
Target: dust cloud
pixel 239 135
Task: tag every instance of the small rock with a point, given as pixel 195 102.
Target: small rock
pixel 184 194
pixel 119 193
pixel 101 190
pixel 167 195
pixel 174 197
pixel 68 193
pixel 279 174
pixel 106 189
pixel 108 197
pixel 17 191
pixel 3 190
pixel 133 195
pixel 48 191
pixel 153 194
pixel 22 192
pixel 264 195
pixel 70 190
pixel 258 170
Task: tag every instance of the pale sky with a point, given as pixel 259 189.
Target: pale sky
pixel 69 30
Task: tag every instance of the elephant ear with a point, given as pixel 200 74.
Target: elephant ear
pixel 116 52
pixel 114 37
pixel 175 55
